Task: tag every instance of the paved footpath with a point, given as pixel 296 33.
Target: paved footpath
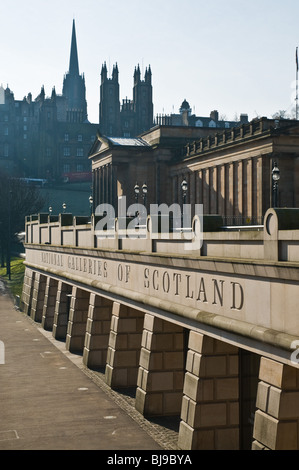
pixel 49 401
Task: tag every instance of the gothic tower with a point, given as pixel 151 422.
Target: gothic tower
pixel 74 86
pixel 143 100
pixel 109 103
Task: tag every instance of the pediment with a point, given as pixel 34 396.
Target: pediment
pixel 99 146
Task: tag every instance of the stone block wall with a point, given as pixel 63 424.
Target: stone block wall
pixel 124 346
pixel 277 417
pixel 38 293
pixel 97 332
pixel 161 371
pixel 49 303
pixel 75 336
pixel 27 290
pixel 61 313
pixel 210 406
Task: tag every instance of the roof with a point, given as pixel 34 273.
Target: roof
pixel 128 142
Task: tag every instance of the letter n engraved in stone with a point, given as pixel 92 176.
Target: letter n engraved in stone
pixel 218 292
pixel 237 296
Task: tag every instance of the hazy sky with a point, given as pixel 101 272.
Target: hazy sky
pixel 236 56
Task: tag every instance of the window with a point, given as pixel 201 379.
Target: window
pixel 48 152
pixel 5 130
pixel 79 138
pixel 6 118
pixel 25 128
pixel 66 137
pixel 66 152
pixel 80 152
pixel 25 136
pixel 79 168
pixel 66 168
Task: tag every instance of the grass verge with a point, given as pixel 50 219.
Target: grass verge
pixel 17 269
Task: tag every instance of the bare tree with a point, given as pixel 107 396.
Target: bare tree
pixel 17 199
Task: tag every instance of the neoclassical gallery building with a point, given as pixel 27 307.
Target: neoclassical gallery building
pixel 203 325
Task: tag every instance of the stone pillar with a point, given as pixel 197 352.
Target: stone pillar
pixel 206 190
pixel 38 294
pixel 124 346
pixel 97 332
pixel 76 328
pixel 161 371
pixel 248 189
pixel 49 303
pixel 221 189
pixel 210 407
pixel 213 190
pixel 27 290
pixel 229 190
pixel 61 313
pixel 198 187
pixel 276 421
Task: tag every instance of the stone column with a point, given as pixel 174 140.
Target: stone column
pixel 206 190
pixel 97 332
pixel 198 187
pixel 259 183
pixel 161 371
pixel 210 407
pixel 276 421
pixel 213 190
pixel 38 294
pixel 221 189
pixel 240 190
pixel 248 189
pixel 49 303
pixel 61 313
pixel 124 346
pixel 27 290
pixel 77 320
pixel 229 190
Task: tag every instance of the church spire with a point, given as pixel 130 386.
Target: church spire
pixel 74 64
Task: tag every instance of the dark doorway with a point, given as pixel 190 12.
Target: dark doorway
pixel 249 364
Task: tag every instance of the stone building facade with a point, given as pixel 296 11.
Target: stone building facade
pixel 132 117
pixel 32 131
pixel 228 171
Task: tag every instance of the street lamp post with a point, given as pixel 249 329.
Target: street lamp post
pixel 184 186
pixel 136 190
pixel 90 204
pixel 144 193
pixel 275 179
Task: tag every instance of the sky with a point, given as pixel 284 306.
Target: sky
pixel 234 56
